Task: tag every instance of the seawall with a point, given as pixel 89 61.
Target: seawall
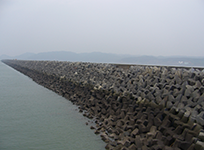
pixel 136 107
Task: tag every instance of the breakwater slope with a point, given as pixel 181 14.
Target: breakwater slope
pixel 135 107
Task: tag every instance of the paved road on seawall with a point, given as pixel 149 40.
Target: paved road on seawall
pixel 135 107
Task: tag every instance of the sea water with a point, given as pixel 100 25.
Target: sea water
pixel 35 118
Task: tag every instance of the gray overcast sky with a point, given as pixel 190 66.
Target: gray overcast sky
pixel 137 27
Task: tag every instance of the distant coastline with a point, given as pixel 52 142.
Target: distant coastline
pixel 98 57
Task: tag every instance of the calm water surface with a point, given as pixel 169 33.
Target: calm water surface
pixel 34 118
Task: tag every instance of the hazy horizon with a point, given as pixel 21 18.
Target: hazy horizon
pixel 127 55
pixel 134 27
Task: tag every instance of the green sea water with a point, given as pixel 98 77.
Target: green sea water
pixel 35 118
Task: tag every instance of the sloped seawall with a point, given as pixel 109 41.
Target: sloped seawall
pixel 136 107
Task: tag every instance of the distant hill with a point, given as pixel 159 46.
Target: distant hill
pixel 74 57
pixel 25 55
pixel 5 57
pixel 61 56
pixel 110 58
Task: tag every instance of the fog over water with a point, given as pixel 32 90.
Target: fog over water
pixel 136 27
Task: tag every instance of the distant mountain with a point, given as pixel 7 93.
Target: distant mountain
pixel 70 56
pixel 24 56
pixel 100 57
pixel 111 58
pixel 5 57
pixel 82 57
pixel 61 56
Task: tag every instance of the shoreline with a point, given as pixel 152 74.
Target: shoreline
pixel 124 119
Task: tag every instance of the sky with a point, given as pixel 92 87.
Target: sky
pixel 135 27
